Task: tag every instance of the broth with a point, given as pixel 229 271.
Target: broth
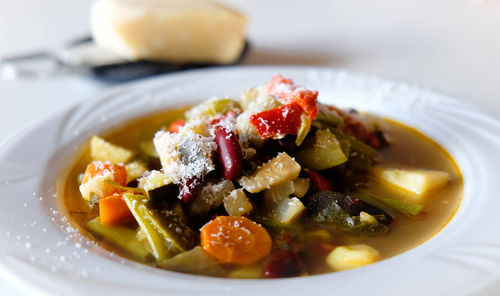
pixel 409 148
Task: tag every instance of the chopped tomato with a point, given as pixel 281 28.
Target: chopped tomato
pixel 286 89
pixel 284 120
pixel 113 209
pixel 176 125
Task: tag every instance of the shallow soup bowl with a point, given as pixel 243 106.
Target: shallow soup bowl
pixel 44 253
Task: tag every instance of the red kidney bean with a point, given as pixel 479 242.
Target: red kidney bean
pixel 187 190
pixel 283 264
pixel 229 152
pixel 319 183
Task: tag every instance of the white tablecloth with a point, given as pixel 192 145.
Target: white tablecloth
pixel 449 45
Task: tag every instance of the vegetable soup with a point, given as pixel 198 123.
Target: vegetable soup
pixel 272 184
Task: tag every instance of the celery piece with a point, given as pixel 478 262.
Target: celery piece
pixel 194 261
pixel 355 144
pixel 321 152
pixel 401 206
pixel 329 116
pixel 165 232
pixel 121 237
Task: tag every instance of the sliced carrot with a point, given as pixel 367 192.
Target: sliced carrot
pixel 236 240
pixel 117 172
pixel 113 209
pixel 176 125
pixel 96 175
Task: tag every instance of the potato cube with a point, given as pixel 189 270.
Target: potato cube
pixel 288 210
pixel 237 203
pixel 155 179
pixel 102 150
pixel 277 170
pixel 416 181
pixel 301 186
pixel 348 257
pixel 277 193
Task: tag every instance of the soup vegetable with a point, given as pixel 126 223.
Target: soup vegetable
pixel 272 185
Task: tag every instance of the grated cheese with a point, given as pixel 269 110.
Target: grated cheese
pixel 185 155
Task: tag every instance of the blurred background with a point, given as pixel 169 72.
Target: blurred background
pixel 449 45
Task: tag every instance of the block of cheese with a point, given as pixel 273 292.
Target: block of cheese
pixel 416 181
pixel 176 31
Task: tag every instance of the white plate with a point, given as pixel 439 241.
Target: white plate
pixel 42 253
